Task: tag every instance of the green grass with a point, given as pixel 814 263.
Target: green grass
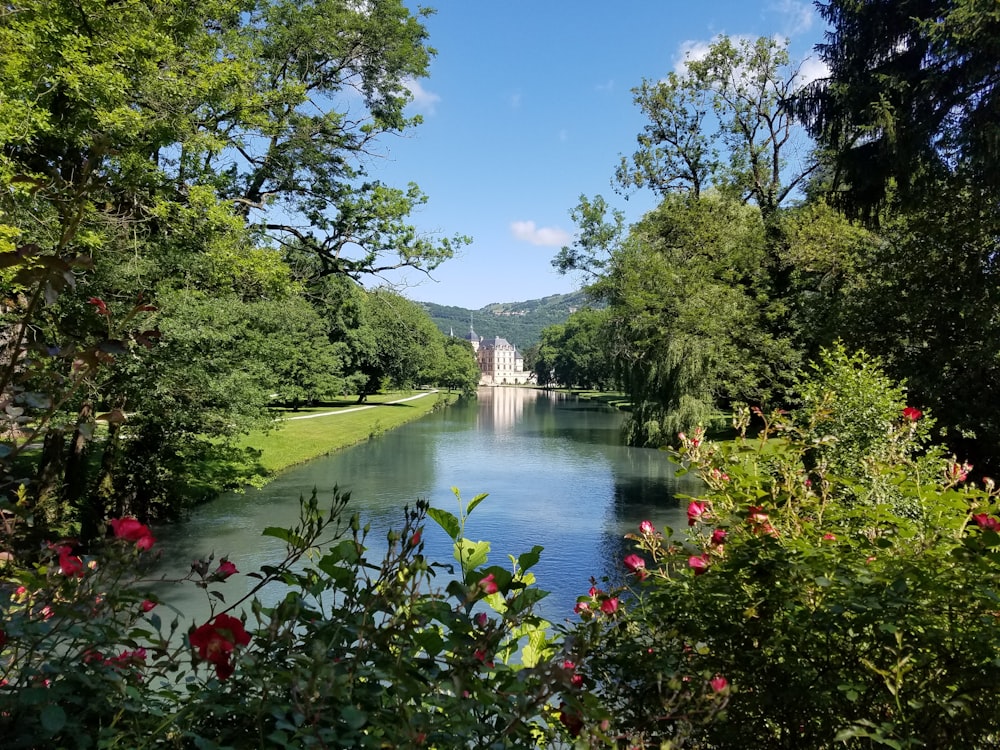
pixel 298 440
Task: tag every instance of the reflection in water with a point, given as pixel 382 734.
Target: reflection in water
pixel 554 467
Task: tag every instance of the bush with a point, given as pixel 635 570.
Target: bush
pixel 356 654
pixel 792 616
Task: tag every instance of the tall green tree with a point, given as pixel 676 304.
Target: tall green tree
pixel 912 98
pixel 725 122
pixel 403 338
pixel 908 119
pixel 152 159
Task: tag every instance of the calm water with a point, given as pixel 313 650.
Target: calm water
pixel 554 467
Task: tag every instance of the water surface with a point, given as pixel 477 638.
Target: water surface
pixel 554 466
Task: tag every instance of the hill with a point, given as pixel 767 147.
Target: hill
pixel 521 323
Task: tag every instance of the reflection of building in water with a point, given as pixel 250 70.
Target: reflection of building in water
pixel 500 363
pixel 503 407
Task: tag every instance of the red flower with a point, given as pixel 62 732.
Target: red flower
pixel 415 539
pixel 148 605
pixel 225 569
pixel 696 512
pixel 719 537
pixel 101 305
pixel 215 642
pixel 698 563
pixel 571 720
pixel 647 527
pixel 610 605
pixel 636 565
pixel 984 521
pixel 828 537
pixel 133 531
pixel 69 564
pixel 489 584
pixel 912 413
pixel 718 683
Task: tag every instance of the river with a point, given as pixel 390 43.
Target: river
pixel 554 466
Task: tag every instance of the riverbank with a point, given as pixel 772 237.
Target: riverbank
pixel 306 434
pixel 615 399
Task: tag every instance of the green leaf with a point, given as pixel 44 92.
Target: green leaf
pixel 353 717
pixel 529 559
pixel 53 718
pixel 471 554
pixel 446 521
pixel 474 502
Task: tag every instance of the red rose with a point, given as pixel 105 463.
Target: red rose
pixel 133 531
pixel 215 642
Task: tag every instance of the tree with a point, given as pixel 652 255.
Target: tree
pixel 152 159
pixel 912 98
pixel 401 335
pixel 688 307
pixel 908 121
pixel 742 87
pixel 459 369
pixel 577 353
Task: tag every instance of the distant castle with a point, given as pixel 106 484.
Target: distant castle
pixel 500 363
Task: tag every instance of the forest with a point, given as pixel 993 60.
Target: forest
pixel 807 321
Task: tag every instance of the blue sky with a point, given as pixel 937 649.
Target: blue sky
pixel 528 105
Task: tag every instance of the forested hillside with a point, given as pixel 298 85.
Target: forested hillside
pixel 521 323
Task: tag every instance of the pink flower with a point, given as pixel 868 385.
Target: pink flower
pixel 610 605
pixel 912 413
pixel 636 565
pixel 225 569
pixel 133 531
pixel 415 539
pixel 828 537
pixel 581 608
pixel 482 620
pixel 719 683
pixel 594 591
pixel 719 537
pixel 697 512
pixel 646 528
pixel 698 563
pixel 148 605
pixel 489 584
pixel 759 521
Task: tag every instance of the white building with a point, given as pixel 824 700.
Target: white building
pixel 500 363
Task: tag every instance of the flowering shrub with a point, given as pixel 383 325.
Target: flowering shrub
pixel 805 608
pixel 86 661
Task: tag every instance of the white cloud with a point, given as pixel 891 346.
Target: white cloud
pixel 798 16
pixel 811 69
pixel 606 86
pixel 690 50
pixel 422 98
pixel 515 100
pixel 526 231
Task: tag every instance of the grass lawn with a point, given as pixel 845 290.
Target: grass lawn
pixel 337 425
